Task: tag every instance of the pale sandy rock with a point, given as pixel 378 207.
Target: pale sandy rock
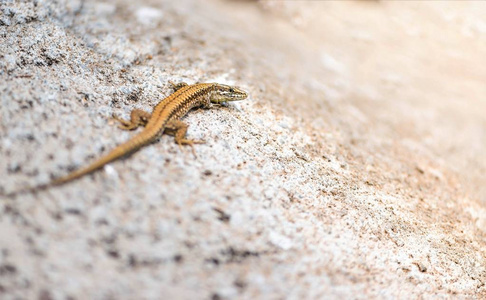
pixel 355 170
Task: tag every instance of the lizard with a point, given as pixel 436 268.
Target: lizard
pixel 165 118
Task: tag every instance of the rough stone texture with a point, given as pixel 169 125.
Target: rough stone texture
pixel 355 170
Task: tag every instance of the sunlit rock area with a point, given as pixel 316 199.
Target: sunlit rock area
pixel 354 170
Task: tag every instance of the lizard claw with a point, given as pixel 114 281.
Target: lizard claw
pixel 190 143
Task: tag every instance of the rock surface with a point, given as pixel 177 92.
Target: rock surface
pixel 355 170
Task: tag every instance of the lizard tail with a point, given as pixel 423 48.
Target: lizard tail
pixel 122 150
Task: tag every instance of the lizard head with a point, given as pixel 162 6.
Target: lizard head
pixel 224 93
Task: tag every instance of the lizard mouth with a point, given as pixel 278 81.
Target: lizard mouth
pixel 238 94
pixel 239 97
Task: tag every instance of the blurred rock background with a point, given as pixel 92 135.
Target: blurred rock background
pixel 355 170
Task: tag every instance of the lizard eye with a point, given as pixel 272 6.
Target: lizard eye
pixel 231 90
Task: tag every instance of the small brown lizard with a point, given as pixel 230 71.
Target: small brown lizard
pixel 165 118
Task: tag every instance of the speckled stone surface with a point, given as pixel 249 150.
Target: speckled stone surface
pixel 355 170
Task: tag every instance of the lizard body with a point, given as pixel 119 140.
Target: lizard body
pixel 164 118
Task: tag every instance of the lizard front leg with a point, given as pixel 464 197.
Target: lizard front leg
pixel 138 117
pixel 178 129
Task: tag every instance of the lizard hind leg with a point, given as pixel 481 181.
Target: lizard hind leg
pixel 138 118
pixel 177 86
pixel 178 129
